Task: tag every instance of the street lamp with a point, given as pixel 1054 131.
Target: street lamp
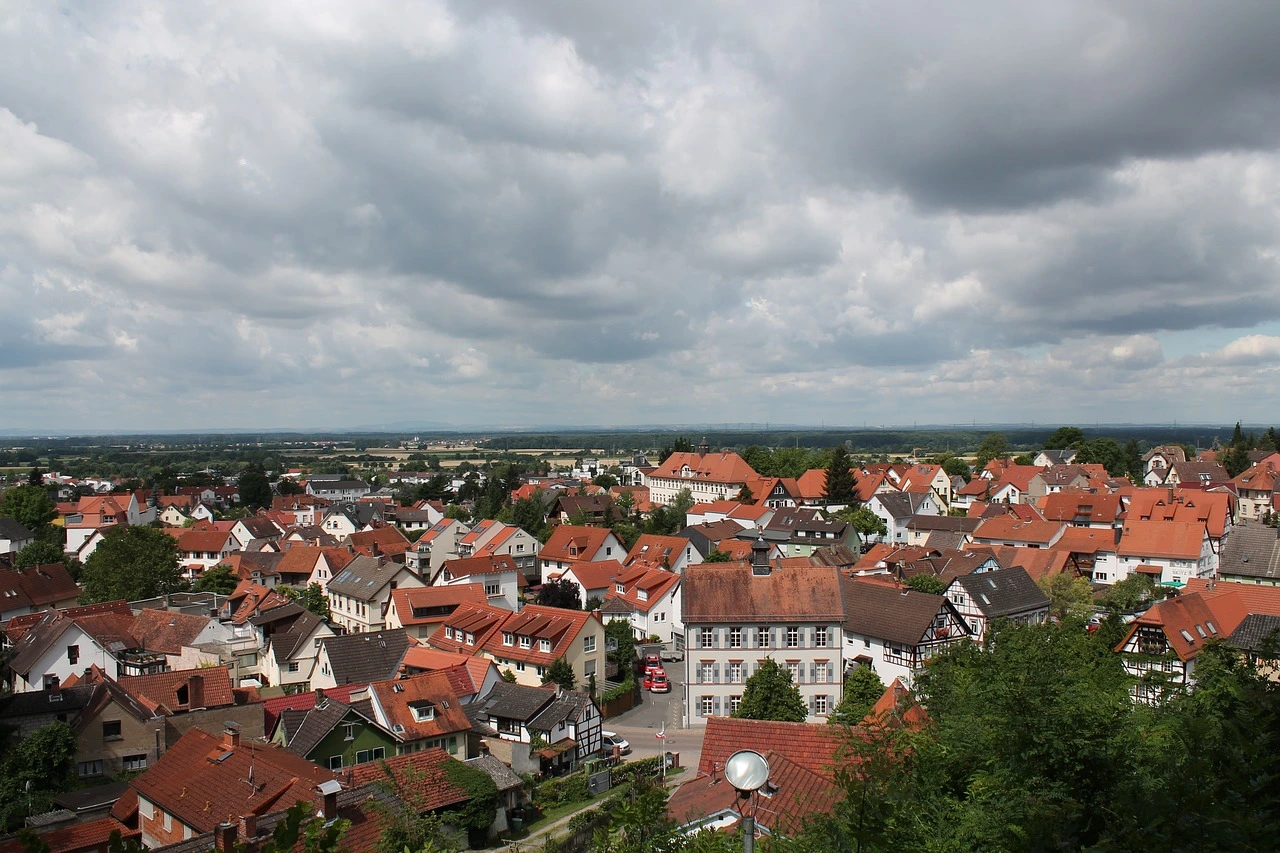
pixel 747 771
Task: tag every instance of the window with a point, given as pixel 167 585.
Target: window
pixel 763 637
pixel 135 762
pixel 293 666
pixel 508 638
pixel 660 616
pixel 335 762
pixel 735 672
pixel 423 711
pixel 620 589
pixel 471 639
pixel 544 645
pixel 348 732
pixel 819 704
pixel 706 705
pixel 542 670
pixel 820 638
pixel 168 821
pixel 448 632
pixel 735 638
pixel 707 638
pixel 589 644
pixel 89 768
pixel 525 642
pixel 735 702
pixel 50 682
pixel 111 730
pixel 73 655
pixel 362 756
pixel 520 549
pixel 793 637
pixel 705 672
pixel 492 590
pixel 822 672
pixel 793 667
pixel 642 594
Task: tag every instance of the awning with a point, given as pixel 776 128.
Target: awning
pixel 1150 570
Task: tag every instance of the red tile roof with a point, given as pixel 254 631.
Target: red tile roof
pixel 1180 540
pixel 1070 505
pixel 1257 598
pixel 1010 528
pixel 655 548
pixel 573 544
pixel 397 696
pixel 78 838
pixel 202 782
pixel 485 565
pixel 556 624
pixel 654 582
pixel 389 542
pixel 814 746
pixel 37 586
pixel 421 779
pixel 712 468
pixel 161 688
pixel 428 598
pixel 715 592
pixel 1038 562
pixel 162 631
pixel 596 575
pixel 272 708
pixel 205 541
pixel 1190 620
pixel 480 620
pixel 1212 509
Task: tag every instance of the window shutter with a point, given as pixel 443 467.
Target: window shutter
pixel 716 705
pixel 813 672
pixel 715 673
pixel 811 707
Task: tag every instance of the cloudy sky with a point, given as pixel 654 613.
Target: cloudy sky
pixel 326 214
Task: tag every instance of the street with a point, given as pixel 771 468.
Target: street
pixel 642 723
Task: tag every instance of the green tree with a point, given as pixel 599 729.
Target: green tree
pixel 621 635
pixel 604 481
pixel 219 579
pixel 1064 438
pixel 561 593
pixel 508 676
pixel 1130 593
pixel 288 487
pixel 38 554
pixel 957 467
pixel 30 506
pixel 45 760
pixel 862 690
pixel 680 445
pixel 1236 459
pixel 131 563
pixel 840 483
pixel 455 511
pixel 931 584
pixel 1106 452
pixel 254 488
pixel 313 598
pixel 745 495
pixel 866 522
pixel 1070 596
pixel 1134 464
pixel 560 672
pixel 770 694
pixel 680 505
pixel 993 446
pixel 718 556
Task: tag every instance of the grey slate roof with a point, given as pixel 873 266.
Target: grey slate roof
pixel 1255 632
pixel 12 529
pixel 502 775
pixel 886 613
pixel 516 701
pixel 36 702
pixel 322 719
pixel 285 643
pixel 362 658
pixel 1059 457
pixel 1003 592
pixel 567 708
pixel 901 504
pixel 364 576
pixel 1252 551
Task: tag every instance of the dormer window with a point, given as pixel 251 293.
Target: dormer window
pixel 423 711
pixel 508 639
pixel 544 645
pixel 525 642
pixel 619 588
pixel 471 639
pixel 642 594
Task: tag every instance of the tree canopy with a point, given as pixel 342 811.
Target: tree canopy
pixel 218 579
pixel 993 446
pixel 561 593
pixel 46 760
pixel 255 488
pixel 131 563
pixel 862 689
pixel 770 694
pixel 30 506
pixel 840 484
pixel 560 672
pixel 932 584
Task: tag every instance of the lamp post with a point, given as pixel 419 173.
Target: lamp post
pixel 747 771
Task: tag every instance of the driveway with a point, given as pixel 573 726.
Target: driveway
pixel 642 723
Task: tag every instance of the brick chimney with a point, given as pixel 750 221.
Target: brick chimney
pixel 249 827
pixel 230 734
pixel 329 799
pixel 224 838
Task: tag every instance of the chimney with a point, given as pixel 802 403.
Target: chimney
pixel 249 827
pixel 1170 495
pixel 760 557
pixel 230 734
pixel 195 692
pixel 329 799
pixel 224 837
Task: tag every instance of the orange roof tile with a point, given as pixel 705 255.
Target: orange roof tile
pixel 712 468
pixel 574 544
pixel 430 605
pixel 1171 539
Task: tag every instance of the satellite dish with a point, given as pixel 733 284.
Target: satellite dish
pixel 747 771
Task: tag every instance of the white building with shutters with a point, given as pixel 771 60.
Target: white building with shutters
pixel 738 614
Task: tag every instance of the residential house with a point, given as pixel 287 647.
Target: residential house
pixel 744 516
pixel 648 598
pixel 289 657
pixel 415 520
pixel 498 576
pixel 379 542
pixel 202 780
pixel 800 531
pixel 201 549
pixel 738 614
pixel 337 488
pixel 541 730
pixel 1251 554
pixel 569 545
pixel 1209 508
pixel 594 580
pixel 589 509
pixel 468 628
pixel 25 591
pixel 422 611
pixel 895 629
pixel 707 536
pixel 984 597
pixel 359 658
pixel 63 643
pixel 1058 478
pixel 945 532
pixel 896 509
pixel 1158 460
pixel 529 642
pixel 708 476
pixel 1011 530
pixel 1255 488
pixel 1169 552
pixel 673 553
pixel 1048 458
pixel 168 632
pixel 1019 484
pixel 360 595
pixel 423 712
pixel 426 556
pixel 776 492
pixel 1098 510
pixel 1196 475
pixel 14 536
pixel 926 479
pixel 334 734
pixel 493 538
pixel 341 520
pixel 1161 646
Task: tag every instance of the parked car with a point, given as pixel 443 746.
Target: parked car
pixel 612 739
pixel 658 682
pixel 652 661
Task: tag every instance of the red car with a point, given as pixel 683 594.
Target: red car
pixel 652 662
pixel 656 681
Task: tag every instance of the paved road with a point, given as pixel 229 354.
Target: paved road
pixel 641 724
